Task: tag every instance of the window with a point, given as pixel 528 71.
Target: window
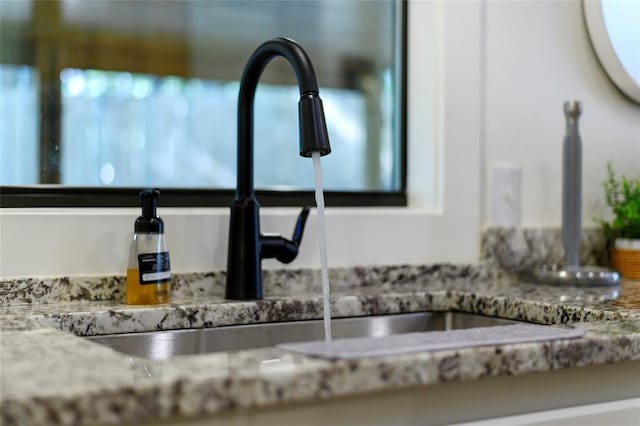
pixel 104 97
pixel 18 125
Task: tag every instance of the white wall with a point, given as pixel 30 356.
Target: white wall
pixel 96 241
pixel 538 55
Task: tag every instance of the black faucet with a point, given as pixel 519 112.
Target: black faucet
pixel 247 247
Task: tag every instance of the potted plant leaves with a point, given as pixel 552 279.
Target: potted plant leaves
pixel 623 231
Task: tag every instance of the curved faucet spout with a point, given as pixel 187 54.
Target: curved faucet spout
pixel 270 49
pixel 247 247
pixel 313 130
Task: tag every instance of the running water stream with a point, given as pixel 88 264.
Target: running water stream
pixel 322 239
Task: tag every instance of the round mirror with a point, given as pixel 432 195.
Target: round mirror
pixel 614 29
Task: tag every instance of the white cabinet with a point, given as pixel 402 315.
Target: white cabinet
pixel 618 413
pixel 602 395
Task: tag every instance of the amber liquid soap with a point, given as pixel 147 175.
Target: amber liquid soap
pixel 147 294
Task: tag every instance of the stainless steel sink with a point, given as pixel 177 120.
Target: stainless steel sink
pixel 167 344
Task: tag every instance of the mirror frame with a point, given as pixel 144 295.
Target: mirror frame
pixel 594 21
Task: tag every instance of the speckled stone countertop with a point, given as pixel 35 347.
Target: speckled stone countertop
pixel 51 376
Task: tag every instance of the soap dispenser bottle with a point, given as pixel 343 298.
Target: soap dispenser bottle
pixel 149 272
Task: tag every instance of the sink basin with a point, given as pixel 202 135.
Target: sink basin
pixel 167 344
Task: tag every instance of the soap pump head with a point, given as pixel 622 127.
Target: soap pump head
pixel 149 222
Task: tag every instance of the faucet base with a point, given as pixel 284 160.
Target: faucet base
pixel 244 269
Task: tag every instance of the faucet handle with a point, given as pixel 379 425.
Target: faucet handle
pixel 281 248
pixel 299 229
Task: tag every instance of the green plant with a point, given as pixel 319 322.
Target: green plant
pixel 623 197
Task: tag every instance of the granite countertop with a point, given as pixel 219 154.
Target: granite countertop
pixel 51 376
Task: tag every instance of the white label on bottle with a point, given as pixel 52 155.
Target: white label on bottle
pixel 156 276
pixel 154 268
